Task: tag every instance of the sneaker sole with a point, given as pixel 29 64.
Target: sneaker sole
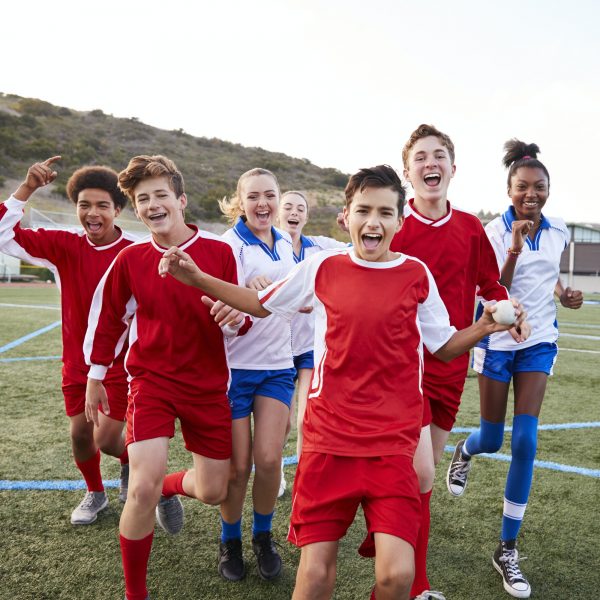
pixel 514 593
pixel 104 505
pixel 272 577
pixel 229 578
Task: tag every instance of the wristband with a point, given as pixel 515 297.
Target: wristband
pixel 514 253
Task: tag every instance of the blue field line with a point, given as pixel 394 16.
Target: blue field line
pixel 29 336
pixel 543 464
pixel 21 358
pixel 548 427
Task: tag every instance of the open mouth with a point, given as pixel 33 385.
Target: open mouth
pixel 263 217
pixel 94 227
pixel 293 222
pixel 371 240
pixel 530 204
pixel 432 179
pixel 157 217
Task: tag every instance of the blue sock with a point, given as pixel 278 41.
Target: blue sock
pixel 520 474
pixel 231 531
pixel 488 438
pixel 262 522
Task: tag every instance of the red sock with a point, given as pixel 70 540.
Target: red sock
pixel 124 458
pixel 90 469
pixel 135 555
pixel 372 597
pixel 173 484
pixel 421 583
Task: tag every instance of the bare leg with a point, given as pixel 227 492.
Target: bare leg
pixel 304 377
pixel 394 567
pixel 315 579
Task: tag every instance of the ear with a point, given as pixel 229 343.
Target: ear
pixel 407 176
pixel 453 170
pixel 183 201
pixel 117 211
pixel 345 216
pixel 400 223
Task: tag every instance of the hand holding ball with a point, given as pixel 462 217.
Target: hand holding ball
pixel 504 313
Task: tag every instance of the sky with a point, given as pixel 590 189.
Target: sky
pixel 340 82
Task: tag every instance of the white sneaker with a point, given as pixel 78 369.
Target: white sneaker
pixel 506 561
pixel 87 511
pixel 282 484
pixel 430 595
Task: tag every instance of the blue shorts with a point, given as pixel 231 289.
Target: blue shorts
pixel 501 365
pixel 246 384
pixel 305 361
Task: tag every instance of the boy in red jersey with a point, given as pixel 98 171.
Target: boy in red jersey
pixel 176 362
pixel 455 248
pixel 359 436
pixel 78 260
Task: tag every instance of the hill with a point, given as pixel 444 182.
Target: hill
pixel 32 130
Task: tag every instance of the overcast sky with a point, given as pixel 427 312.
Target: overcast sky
pixel 341 82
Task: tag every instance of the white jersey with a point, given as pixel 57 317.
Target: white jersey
pixel 267 345
pixel 536 273
pixel 303 324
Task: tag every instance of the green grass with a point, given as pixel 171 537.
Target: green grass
pixel 43 557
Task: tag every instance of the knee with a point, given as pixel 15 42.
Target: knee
pixel 524 437
pixel 240 473
pixel 144 492
pixel 268 462
pixel 82 437
pixel 395 578
pixel 110 444
pixel 491 437
pixel 213 495
pixel 319 577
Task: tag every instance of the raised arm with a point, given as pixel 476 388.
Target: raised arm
pixel 520 231
pixel 38 175
pixel 177 263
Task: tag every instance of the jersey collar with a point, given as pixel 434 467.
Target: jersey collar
pixel 510 216
pixel 304 243
pixel 410 210
pixel 244 233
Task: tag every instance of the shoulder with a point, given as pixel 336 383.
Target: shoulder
pixel 466 218
pixel 557 223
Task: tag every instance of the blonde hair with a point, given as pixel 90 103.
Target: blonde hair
pixel 232 207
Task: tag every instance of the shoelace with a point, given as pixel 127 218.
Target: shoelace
pixel 510 560
pixel 459 470
pixel 268 545
pixel 430 595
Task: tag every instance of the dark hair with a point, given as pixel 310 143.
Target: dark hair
pixel 423 131
pixel 381 176
pixel 144 167
pixel 519 154
pixel 102 178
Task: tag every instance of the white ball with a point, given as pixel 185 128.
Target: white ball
pixel 504 313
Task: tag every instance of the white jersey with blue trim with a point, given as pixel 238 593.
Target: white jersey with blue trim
pixel 267 345
pixel 536 273
pixel 303 324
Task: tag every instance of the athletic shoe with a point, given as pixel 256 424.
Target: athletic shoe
pixel 506 562
pixel 169 514
pixel 267 557
pixel 124 483
pixel 231 560
pixel 87 511
pixel 430 595
pixel 458 471
pixel 282 483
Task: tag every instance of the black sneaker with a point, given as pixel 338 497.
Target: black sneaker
pixel 506 562
pixel 267 557
pixel 231 560
pixel 458 471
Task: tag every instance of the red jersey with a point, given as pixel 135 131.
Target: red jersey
pixel 175 347
pixel 371 321
pixel 78 266
pixel 462 261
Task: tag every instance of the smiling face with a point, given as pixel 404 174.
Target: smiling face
pixel 372 220
pixel 430 169
pixel 97 212
pixel 259 200
pixel 157 206
pixel 529 191
pixel 293 214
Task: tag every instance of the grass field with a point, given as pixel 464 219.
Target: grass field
pixel 43 557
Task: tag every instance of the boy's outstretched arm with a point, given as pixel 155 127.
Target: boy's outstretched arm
pixel 462 341
pixel 38 175
pixel 181 266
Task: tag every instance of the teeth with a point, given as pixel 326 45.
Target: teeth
pixel 160 216
pixel 432 175
pixel 375 236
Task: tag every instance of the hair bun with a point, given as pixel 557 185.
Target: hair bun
pixel 515 150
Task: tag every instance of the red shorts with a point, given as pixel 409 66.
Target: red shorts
pixel 74 382
pixel 328 490
pixel 205 421
pixel 441 402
